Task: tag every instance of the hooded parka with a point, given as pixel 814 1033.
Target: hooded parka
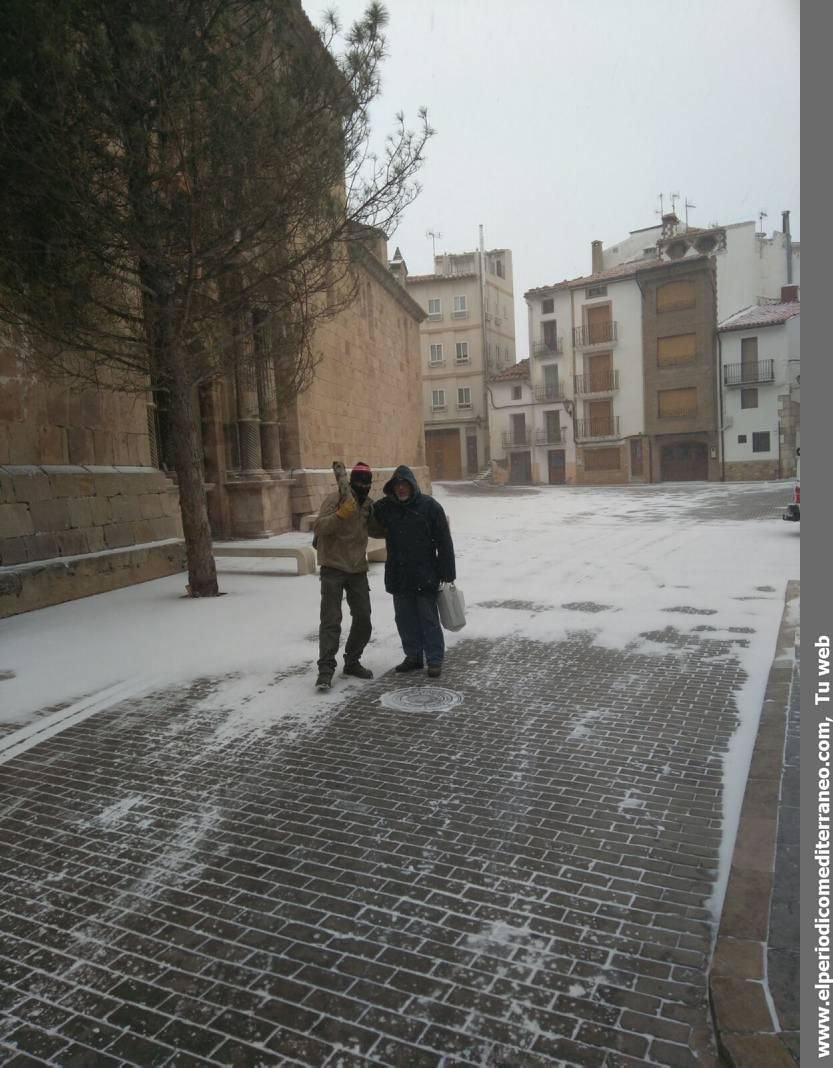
pixel 420 552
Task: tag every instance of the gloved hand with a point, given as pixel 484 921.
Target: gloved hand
pixel 347 507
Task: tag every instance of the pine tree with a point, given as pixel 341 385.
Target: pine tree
pixel 177 174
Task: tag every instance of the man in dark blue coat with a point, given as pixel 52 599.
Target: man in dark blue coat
pixel 420 555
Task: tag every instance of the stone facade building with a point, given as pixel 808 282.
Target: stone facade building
pixel 623 367
pixel 85 506
pixel 82 507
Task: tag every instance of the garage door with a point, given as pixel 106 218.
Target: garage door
pixel 442 452
pixel 685 462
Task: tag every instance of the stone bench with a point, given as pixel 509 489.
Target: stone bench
pixel 304 555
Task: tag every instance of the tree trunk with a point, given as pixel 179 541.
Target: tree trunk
pixel 187 457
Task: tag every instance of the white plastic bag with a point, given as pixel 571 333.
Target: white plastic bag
pixel 452 607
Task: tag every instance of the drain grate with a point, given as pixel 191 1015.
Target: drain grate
pixel 421 699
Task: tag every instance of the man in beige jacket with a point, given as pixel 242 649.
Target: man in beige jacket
pixel 341 541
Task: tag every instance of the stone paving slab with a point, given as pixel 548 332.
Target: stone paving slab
pixel 754 982
pixel 522 880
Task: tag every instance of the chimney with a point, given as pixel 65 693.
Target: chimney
pixel 596 260
pixel 789 294
pixel 670 222
pixel 785 226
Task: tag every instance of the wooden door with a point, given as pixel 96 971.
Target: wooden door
pixel 749 359
pixel 685 462
pixel 442 454
pixel 471 454
pixel 636 458
pixel 601 418
pixel 598 324
pixel 557 468
pixel 518 429
pixel 551 381
pixel 520 467
pixel 599 371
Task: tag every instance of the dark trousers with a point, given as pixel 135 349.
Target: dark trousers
pixel 334 584
pixel 418 623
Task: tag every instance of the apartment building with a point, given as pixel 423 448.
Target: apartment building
pixel 625 355
pixel 628 356
pixel 760 365
pixel 468 333
pixel 752 271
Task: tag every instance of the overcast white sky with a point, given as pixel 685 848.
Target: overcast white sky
pixel 561 121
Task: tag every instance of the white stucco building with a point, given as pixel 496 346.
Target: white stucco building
pixel 751 266
pixel 760 373
pixel 467 335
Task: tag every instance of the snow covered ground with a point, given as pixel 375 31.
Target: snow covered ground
pixel 631 553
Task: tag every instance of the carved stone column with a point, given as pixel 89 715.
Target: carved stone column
pixel 267 397
pixel 248 410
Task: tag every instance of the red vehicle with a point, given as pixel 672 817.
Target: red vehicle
pixel 792 513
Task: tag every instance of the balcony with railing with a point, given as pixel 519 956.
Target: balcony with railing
pixel 593 334
pixel 746 374
pixel 517 439
pixel 460 313
pixel 548 347
pixel 550 394
pixel 556 435
pixel 594 429
pixel 597 382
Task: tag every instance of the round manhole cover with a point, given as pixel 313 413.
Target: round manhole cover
pixel 421 699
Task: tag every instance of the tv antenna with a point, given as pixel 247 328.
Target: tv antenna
pixel 761 216
pixel 674 198
pixel 433 234
pixel 661 211
pixel 688 205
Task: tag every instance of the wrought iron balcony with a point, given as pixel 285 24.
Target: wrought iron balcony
pixel 554 436
pixel 516 439
pixel 548 347
pixel 588 336
pixel 744 374
pixel 595 428
pixel 597 382
pixel 549 393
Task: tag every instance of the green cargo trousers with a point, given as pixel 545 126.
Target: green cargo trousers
pixel 334 584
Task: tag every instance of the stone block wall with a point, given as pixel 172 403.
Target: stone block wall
pixel 48 512
pixel 54 423
pixel 752 470
pixel 68 532
pixel 48 582
pixel 365 402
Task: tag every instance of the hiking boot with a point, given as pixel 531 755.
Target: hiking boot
pixel 357 670
pixel 410 663
pixel 324 680
pixel 434 671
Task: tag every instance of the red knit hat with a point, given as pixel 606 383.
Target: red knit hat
pixel 361 474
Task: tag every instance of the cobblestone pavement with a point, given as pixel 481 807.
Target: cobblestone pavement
pixel 520 881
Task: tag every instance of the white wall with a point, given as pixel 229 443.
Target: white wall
pixel 502 406
pixel 629 401
pixel 777 343
pixel 632 247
